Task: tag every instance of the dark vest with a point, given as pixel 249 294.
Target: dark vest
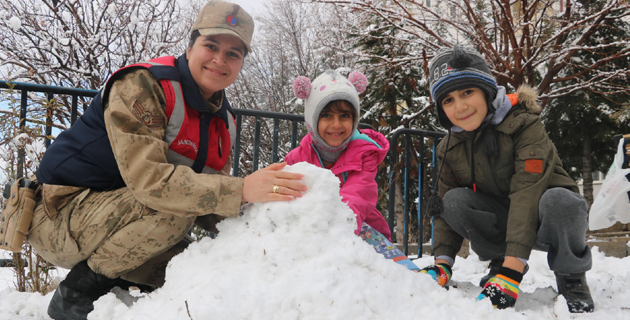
pixel 82 155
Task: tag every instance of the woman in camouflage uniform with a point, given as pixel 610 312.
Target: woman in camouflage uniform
pixel 150 157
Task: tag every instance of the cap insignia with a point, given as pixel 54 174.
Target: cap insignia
pixel 231 20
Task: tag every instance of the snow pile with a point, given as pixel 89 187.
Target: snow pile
pixel 301 260
pixel 284 260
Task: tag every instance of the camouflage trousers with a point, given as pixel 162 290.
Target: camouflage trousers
pixel 116 234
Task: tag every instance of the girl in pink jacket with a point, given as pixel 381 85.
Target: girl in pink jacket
pixel 331 112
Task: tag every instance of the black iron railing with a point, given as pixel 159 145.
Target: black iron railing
pixel 414 142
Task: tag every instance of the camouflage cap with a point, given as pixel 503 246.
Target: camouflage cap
pixel 220 17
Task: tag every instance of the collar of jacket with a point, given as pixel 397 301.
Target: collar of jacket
pixel 361 143
pixel 192 93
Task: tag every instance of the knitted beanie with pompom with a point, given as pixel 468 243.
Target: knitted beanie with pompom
pixel 456 69
pixel 327 87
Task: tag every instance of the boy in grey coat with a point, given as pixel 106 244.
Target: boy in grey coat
pixel 502 185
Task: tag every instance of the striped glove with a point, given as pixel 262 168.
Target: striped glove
pixel 441 273
pixel 502 289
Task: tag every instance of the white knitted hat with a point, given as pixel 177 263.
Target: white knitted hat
pixel 328 87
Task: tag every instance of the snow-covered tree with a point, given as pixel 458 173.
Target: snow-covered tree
pixel 523 41
pixel 293 39
pixel 79 43
pixel 588 119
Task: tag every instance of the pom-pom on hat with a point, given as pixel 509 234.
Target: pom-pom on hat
pixel 302 87
pixel 456 69
pixel 329 86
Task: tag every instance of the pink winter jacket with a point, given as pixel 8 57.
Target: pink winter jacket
pixel 360 160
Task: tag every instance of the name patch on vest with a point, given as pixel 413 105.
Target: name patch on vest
pixel 188 143
pixel 146 117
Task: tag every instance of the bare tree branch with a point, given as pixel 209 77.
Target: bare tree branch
pixel 80 43
pixel 524 41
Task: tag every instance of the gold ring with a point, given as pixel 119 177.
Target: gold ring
pixel 275 188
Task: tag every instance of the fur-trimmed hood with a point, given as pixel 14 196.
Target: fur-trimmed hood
pixel 503 103
pixel 527 96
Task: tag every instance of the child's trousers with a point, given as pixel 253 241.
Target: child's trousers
pixel 562 218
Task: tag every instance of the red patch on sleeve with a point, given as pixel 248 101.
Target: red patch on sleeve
pixel 534 165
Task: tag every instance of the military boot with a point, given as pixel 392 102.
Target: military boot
pixel 75 296
pixel 494 267
pixel 575 290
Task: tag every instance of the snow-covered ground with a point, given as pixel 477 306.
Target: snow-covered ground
pixel 301 260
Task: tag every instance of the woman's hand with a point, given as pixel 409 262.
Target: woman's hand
pixel 271 184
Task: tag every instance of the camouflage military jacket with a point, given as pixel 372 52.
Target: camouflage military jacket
pixel 136 125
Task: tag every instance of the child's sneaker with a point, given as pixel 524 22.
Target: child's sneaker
pixel 575 290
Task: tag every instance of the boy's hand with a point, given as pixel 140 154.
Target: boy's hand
pixel 502 289
pixel 441 273
pixel 514 263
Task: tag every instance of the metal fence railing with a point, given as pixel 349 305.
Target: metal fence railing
pixel 282 130
pixel 422 154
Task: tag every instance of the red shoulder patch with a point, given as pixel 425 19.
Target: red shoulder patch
pixel 534 165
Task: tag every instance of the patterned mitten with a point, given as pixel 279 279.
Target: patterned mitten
pixel 502 289
pixel 441 273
